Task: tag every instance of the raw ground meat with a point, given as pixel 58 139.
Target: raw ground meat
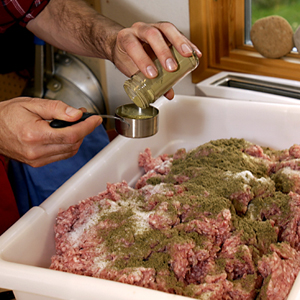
pixel 218 222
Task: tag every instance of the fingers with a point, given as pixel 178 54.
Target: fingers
pixel 70 134
pixel 44 154
pixel 182 44
pixel 130 43
pixel 130 47
pixel 169 94
pixel 62 143
pixel 45 144
pixel 53 109
pixel 158 36
pixel 26 136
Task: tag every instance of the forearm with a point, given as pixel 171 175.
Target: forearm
pixel 73 26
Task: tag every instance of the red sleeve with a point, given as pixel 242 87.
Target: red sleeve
pixel 8 207
pixel 19 11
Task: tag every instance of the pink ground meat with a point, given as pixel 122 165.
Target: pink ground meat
pixel 218 222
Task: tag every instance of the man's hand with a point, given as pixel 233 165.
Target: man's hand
pixel 26 136
pixel 72 25
pixel 135 45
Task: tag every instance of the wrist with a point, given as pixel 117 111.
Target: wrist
pixel 106 38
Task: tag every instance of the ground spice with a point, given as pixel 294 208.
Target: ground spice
pixel 282 181
pixel 215 171
pixel 247 284
pixel 275 208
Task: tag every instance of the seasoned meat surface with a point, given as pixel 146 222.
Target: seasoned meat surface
pixel 220 221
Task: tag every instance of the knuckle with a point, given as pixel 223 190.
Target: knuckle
pixel 122 34
pixel 28 141
pixel 124 38
pixel 35 164
pixel 138 25
pixel 166 25
pixel 73 150
pixel 31 156
pixel 72 138
pixel 52 105
pixel 152 32
pixel 62 138
pixel 165 52
pixel 72 153
pixel 27 136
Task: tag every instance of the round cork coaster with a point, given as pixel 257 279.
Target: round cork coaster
pixel 272 36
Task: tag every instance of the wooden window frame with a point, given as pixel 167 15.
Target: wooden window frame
pixel 217 28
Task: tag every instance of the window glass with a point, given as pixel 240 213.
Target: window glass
pixel 257 9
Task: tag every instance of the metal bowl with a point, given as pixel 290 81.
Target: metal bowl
pixel 139 123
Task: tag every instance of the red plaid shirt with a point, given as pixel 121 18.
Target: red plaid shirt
pixel 19 11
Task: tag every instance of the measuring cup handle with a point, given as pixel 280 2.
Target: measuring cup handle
pixel 61 123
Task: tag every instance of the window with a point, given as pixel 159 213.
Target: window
pixel 257 9
pixel 220 28
pixel 288 9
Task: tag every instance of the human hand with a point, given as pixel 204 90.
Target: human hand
pixel 127 48
pixel 26 136
pixel 132 52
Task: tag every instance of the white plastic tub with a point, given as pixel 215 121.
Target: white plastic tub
pixel 26 248
pixel 216 86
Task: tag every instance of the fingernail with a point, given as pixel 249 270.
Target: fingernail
pixel 186 49
pixel 171 65
pixel 151 71
pixel 71 111
pixel 99 122
pixel 198 52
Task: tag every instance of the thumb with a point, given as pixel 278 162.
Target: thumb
pixel 54 109
pixel 73 113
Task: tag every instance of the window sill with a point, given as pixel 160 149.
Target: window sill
pixel 217 28
pixel 252 62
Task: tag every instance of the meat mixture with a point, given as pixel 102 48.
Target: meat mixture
pixel 218 222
